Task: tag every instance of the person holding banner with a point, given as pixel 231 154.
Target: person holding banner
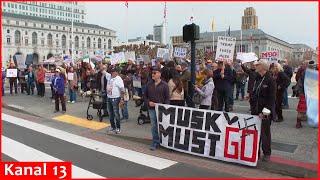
pixel 263 96
pixel 13 77
pixel 157 91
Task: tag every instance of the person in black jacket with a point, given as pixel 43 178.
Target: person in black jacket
pixel 252 77
pixel 263 96
pixel 289 72
pixel 283 82
pixel 223 79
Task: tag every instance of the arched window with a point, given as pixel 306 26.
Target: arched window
pixel 109 44
pixel 88 42
pixel 76 40
pixel 34 38
pixel 99 43
pixel 63 41
pixel 17 37
pixel 49 39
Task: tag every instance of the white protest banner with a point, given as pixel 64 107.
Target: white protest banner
pixel 48 77
pixel 271 56
pixel 12 73
pixel 70 76
pixel 225 48
pixel 163 53
pixel 180 52
pixel 146 58
pixel 117 58
pixel 247 57
pixel 130 55
pixel 136 81
pixel 21 62
pixel 218 135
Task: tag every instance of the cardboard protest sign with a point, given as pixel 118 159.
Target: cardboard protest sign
pixel 146 58
pixel 12 73
pixel 117 58
pixel 225 48
pixel 136 81
pixel 163 53
pixel 247 57
pixel 70 76
pixel 130 55
pixel 180 52
pixel 218 135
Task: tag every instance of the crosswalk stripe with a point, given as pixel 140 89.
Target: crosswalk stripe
pixel 122 153
pixel 21 152
pixel 95 125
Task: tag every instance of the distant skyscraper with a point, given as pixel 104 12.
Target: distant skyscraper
pixel 249 20
pixel 149 37
pixel 51 10
pixel 159 33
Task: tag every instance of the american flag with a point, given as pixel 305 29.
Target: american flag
pixel 126 4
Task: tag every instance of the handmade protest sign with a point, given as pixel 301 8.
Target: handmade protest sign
pixel 163 53
pixel 247 57
pixel 225 48
pixel 70 76
pixel 21 62
pixel 271 56
pixel 48 77
pixel 130 55
pixel 180 52
pixel 12 73
pixel 136 81
pixel 218 135
pixel 117 58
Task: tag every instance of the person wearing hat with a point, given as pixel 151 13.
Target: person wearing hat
pixel 58 85
pixel 115 94
pixel 157 91
pixel 264 96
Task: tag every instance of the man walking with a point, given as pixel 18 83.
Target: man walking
pixel 157 91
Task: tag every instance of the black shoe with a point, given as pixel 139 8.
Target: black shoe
pixel 266 158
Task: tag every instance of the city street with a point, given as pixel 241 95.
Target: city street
pixel 35 133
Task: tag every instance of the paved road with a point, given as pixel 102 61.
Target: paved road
pixel 24 140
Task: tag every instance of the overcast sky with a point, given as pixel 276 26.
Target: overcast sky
pixel 294 22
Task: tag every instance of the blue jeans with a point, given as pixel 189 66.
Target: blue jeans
pixel 240 89
pixel 285 98
pixel 72 95
pixel 124 111
pixel 113 107
pixel 154 127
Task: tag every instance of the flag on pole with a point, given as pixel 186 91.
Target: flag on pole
pixel 126 4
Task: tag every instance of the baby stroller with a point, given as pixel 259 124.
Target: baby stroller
pixel 142 118
pixel 97 104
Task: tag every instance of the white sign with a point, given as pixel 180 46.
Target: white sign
pixel 146 58
pixel 117 58
pixel 136 81
pixel 21 62
pixel 48 77
pixel 12 73
pixel 225 48
pixel 70 76
pixel 247 57
pixel 213 134
pixel 130 55
pixel 271 56
pixel 180 52
pixel 163 53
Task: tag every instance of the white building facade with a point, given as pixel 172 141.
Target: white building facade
pixel 42 38
pixel 51 10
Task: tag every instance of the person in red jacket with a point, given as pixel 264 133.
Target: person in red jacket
pixel 40 80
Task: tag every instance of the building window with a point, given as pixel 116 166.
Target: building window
pixel 104 46
pixel 88 42
pixel 34 38
pixel 64 41
pixel 8 21
pixel 49 26
pixel 42 42
pixel 57 43
pixel 99 43
pixel 76 40
pixel 49 40
pixel 17 23
pixel 82 30
pixel 8 40
pixel 88 31
pixel 41 34
pixel 57 27
pixel 41 25
pixel 26 33
pixel 26 23
pixel 109 44
pixel 8 31
pixel 64 28
pixel 57 35
pixel 17 37
pixel 26 42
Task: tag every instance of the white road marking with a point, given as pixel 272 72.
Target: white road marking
pixel 21 152
pixel 122 153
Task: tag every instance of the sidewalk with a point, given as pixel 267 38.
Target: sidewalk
pixel 295 151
